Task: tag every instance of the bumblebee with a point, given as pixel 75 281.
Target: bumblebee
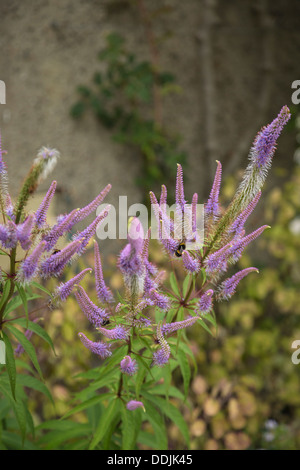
pixel 180 249
pixel 105 322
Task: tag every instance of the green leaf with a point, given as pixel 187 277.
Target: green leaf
pixel 35 384
pixel 87 404
pixel 36 328
pixel 5 293
pixel 23 296
pixel 172 413
pixel 10 364
pixel 174 284
pixel 42 288
pixel 19 410
pixel 130 427
pixel 16 301
pixel 28 347
pixel 104 423
pixel 186 284
pixel 158 424
pixel 185 370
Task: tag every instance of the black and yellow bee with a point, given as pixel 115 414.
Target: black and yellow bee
pixel 180 249
pixel 105 322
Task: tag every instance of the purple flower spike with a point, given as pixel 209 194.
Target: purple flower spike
pixel 54 265
pixel 191 264
pixel 135 234
pixel 119 332
pixel 90 231
pixel 41 213
pixel 133 405
pixel 265 143
pixel 170 328
pixel 217 261
pixel 179 192
pixel 238 225
pixel 3 176
pixel 29 268
pixel 100 348
pixel 92 206
pixel 161 301
pixel 103 292
pixel 96 315
pixel 228 287
pixel 65 289
pixel 128 366
pixel 240 244
pixel 59 230
pixel 212 206
pixel 24 232
pixel 260 156
pixel 205 302
pixel 8 235
pixel 162 355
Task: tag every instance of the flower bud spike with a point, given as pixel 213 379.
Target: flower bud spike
pixel 41 213
pixel 100 348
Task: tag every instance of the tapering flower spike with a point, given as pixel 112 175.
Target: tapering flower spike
pixel 92 206
pixel 212 207
pixel 134 404
pixel 160 300
pixel 179 192
pixel 228 287
pixel 9 207
pixel 238 225
pixel 100 348
pixel 64 290
pixel 46 160
pixel 8 235
pixel 162 355
pixel 238 246
pixel 59 230
pixel 205 303
pixel 104 294
pixel 3 179
pixel 191 264
pixel 128 366
pixel 54 265
pixel 29 268
pixel 42 165
pixel 131 261
pixel 119 332
pixel 90 231
pixel 24 232
pixel 41 213
pixel 96 315
pixel 194 212
pixel 217 261
pixel 260 157
pixel 170 328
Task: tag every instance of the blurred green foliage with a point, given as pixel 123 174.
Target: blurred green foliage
pixel 126 97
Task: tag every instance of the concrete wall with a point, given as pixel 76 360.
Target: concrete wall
pixel 234 60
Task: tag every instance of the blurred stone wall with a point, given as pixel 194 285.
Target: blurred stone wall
pixel 235 62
